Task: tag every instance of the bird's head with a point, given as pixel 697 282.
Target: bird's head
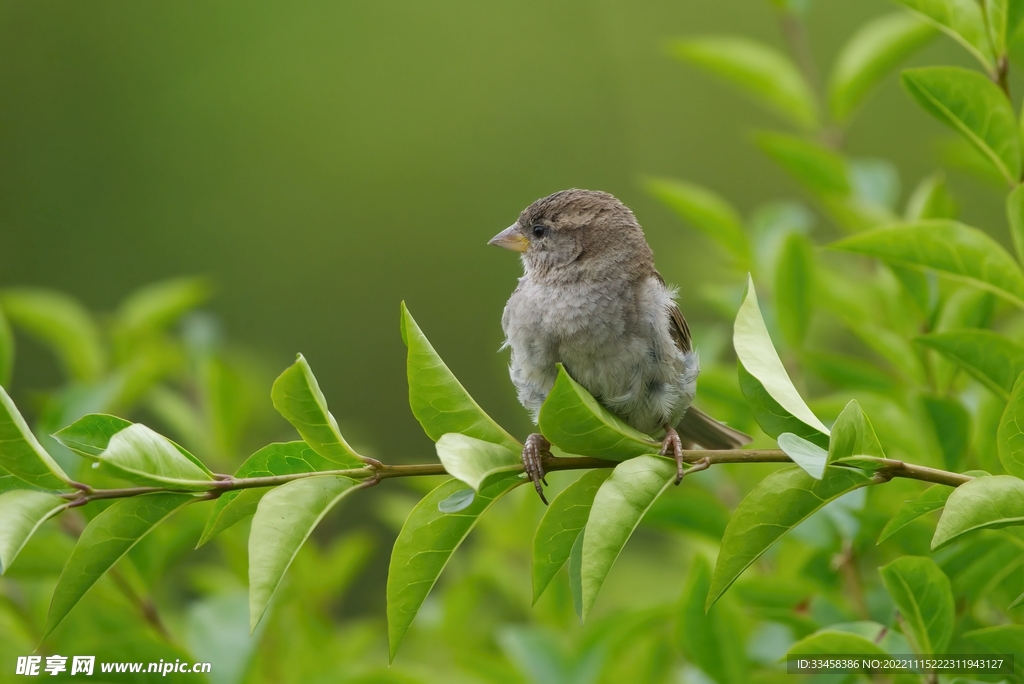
pixel 576 234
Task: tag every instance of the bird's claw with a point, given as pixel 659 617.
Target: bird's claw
pixel 672 446
pixel 535 450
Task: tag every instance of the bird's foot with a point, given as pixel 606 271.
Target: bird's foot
pixel 534 451
pixel 672 446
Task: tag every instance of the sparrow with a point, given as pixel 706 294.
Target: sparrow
pixel 591 299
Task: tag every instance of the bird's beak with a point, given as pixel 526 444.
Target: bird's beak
pixel 510 238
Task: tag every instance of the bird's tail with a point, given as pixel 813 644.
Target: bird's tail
pixel 698 428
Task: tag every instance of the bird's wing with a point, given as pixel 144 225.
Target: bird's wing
pixel 678 328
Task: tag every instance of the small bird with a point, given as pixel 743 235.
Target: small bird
pixel 591 299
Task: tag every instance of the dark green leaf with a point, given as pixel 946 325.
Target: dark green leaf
pixel 707 212
pixel 159 304
pixel 22 512
pixel 274 459
pixel 140 455
pixel 573 421
pixel 808 455
pixel 758 70
pixel 562 523
pixel 619 505
pixel 1010 436
pixel 1015 215
pixel 975 107
pixel 925 599
pixel 6 351
pixel 772 418
pixel 961 20
pixel 993 359
pixel 62 324
pixel 426 542
pixel 21 454
pixel 298 398
pixel 853 435
pixel 952 426
pixel 984 502
pixel 775 506
pixel 284 519
pixel 870 54
pixel 931 499
pixel 758 356
pixel 692 509
pixel 847 372
pixel 709 638
pixel 458 501
pixel 474 461
pixel 951 248
pixel 794 285
pixel 439 402
pixel 106 538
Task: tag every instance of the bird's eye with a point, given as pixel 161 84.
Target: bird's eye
pixel 539 230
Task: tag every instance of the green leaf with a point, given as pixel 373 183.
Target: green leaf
pixel 949 247
pixel 298 398
pixel 22 512
pixel 770 416
pixel 62 324
pixel 274 459
pixel 794 286
pixel 21 454
pixel 923 594
pixel 108 537
pixel 952 427
pixel 575 573
pixel 560 527
pixel 993 359
pixel 975 107
pixel 140 455
pixel 1004 17
pixel 853 435
pixel 984 502
pixel 440 403
pixel 870 54
pixel 6 351
pixel 775 506
pixel 89 436
pixel 847 372
pixel 758 70
pixel 618 507
pixel 159 304
pixel 474 461
pixel 692 509
pixel 426 542
pixel 707 212
pixel 458 501
pixel 808 455
pixel 961 20
pixel 1015 215
pixel 709 639
pixel 1010 436
pixel 573 421
pixel 820 170
pixel 831 643
pixel 998 640
pixel 931 200
pixel 757 354
pixel 931 499
pixel 284 519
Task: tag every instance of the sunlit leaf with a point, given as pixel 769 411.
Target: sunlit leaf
pixel 438 400
pixel 984 502
pixel 6 351
pixel 870 54
pixel 709 638
pixel 770 416
pixel 474 461
pixel 426 542
pixel 458 501
pixel 756 69
pixel 576 423
pixel 833 643
pixel 562 523
pixel 775 506
pixel 951 248
pixel 925 599
pixel 961 20
pixel 1004 17
pixel 274 459
pixel 853 435
pixel 808 455
pixel 106 538
pixel 975 107
pixel 757 354
pixel 298 398
pixel 575 573
pixel 931 200
pixel 89 436
pixel 794 287
pixel 707 212
pixel 140 455
pixel 619 505
pixel 1010 437
pixel 21 454
pixel 284 519
pixel 931 499
pixel 22 512
pixel 62 324
pixel 993 359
